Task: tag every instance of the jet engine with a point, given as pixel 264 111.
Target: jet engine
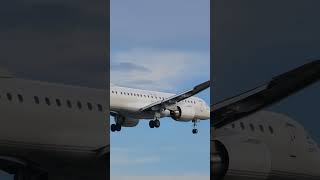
pixel 183 114
pixel 21 168
pixel 219 160
pixel 125 121
pixel 234 156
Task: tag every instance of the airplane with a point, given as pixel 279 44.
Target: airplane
pixel 128 106
pixel 248 142
pixel 53 131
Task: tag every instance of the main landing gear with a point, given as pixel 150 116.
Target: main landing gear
pixel 115 127
pixel 194 130
pixel 154 123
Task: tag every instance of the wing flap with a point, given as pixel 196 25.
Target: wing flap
pixel 176 98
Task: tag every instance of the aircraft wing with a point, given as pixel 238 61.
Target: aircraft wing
pixel 176 98
pixel 275 90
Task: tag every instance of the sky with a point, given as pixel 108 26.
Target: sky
pixel 162 46
pixel 254 41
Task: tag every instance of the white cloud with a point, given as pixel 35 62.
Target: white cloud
pixel 123 159
pixel 123 156
pixel 158 22
pixel 158 69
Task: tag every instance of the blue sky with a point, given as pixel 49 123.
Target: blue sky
pixel 164 46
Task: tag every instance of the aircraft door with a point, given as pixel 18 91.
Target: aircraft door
pixel 292 140
pixel 201 106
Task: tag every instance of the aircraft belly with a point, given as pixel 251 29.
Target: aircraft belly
pixel 136 114
pixel 234 177
pixel 52 127
pixel 245 175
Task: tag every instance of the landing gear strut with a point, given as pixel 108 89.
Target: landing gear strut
pixel 115 127
pixel 194 130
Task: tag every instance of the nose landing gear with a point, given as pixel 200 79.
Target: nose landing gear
pixel 194 130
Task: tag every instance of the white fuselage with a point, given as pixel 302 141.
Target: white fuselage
pixel 268 145
pixel 129 101
pixel 53 117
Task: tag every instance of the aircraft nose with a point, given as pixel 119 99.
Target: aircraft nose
pixel 208 112
pixel 205 114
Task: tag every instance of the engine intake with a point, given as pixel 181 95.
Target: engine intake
pixel 176 114
pixel 219 160
pixel 183 114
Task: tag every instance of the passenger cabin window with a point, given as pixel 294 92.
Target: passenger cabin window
pixel 271 129
pixel 79 104
pixel 89 106
pixel 99 107
pixel 20 97
pixel 47 101
pixel 58 102
pixel 251 127
pixel 69 104
pixel 36 100
pixel 242 125
pixel 9 96
pixel 261 128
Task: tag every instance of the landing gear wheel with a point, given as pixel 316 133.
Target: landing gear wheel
pixel 195 131
pixel 157 123
pixel 151 124
pixel 113 127
pixel 118 127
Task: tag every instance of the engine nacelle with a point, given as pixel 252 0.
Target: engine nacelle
pixel 183 114
pixel 234 156
pixel 126 122
pixel 219 160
